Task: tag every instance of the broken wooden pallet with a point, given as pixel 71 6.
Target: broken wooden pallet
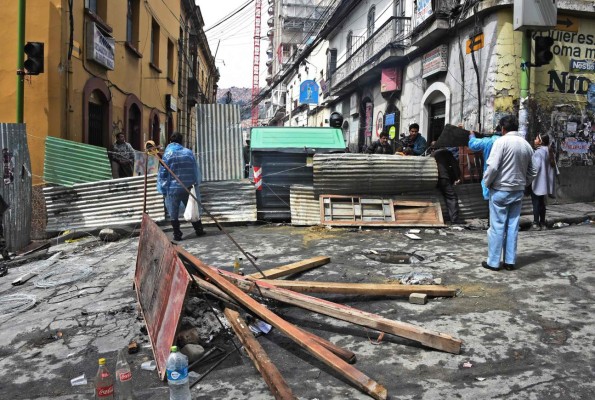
pixel 380 211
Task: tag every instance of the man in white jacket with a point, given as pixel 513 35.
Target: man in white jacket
pixel 508 172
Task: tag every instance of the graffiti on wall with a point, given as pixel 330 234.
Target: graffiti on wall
pixel 564 99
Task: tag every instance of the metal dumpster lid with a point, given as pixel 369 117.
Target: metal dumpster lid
pixel 298 139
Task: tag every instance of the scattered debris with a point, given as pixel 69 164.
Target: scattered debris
pixel 260 327
pixel 132 347
pixel 62 276
pixel 16 303
pixel 560 225
pixel 193 352
pixel 149 365
pixel 416 278
pixel 393 256
pixel 109 235
pixel 79 380
pixel 412 236
pixel 413 231
pixel 430 231
pixel 437 281
pixel 479 378
pixel 467 364
pixel 457 228
pixel 418 298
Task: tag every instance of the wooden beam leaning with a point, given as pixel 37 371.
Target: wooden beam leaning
pixel 262 362
pixel 345 354
pixel 353 375
pixel 371 289
pixel 293 268
pixel 435 340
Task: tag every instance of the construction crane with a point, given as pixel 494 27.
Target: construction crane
pixel 256 61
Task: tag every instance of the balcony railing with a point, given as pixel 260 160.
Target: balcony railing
pixel 394 32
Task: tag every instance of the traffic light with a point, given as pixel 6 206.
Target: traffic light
pixel 34 62
pixel 543 52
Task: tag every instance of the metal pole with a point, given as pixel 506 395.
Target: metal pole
pixel 20 61
pixel 525 79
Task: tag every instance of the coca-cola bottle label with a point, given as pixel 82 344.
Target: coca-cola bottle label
pixel 105 391
pixel 177 375
pixel 125 376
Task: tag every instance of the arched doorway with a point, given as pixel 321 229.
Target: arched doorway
pixel 366 124
pixel 133 117
pixel 154 127
pixel 97 113
pixel 435 112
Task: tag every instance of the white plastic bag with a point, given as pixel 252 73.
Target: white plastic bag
pixel 192 212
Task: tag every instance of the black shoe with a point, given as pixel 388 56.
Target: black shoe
pixel 486 266
pixel 3 270
pixel 177 231
pixel 198 229
pixel 508 267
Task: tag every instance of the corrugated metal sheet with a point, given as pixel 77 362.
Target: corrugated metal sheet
pixel 279 172
pixel 219 142
pixel 229 201
pixel 161 284
pixel 305 205
pixel 358 174
pixel 471 202
pixel 296 139
pixel 68 162
pixel 15 185
pixel 102 204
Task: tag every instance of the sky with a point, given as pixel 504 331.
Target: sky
pixel 235 40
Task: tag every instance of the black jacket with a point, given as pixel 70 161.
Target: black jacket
pixel 378 148
pixel 448 167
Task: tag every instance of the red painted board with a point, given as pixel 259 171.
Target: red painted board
pixel 161 283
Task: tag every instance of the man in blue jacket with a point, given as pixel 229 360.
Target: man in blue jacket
pixel 183 164
pixel 485 146
pixel 415 144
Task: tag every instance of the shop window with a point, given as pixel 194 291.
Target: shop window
pixel 170 60
pixel 155 37
pixel 132 23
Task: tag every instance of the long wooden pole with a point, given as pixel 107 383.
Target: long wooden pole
pixel 261 360
pixel 436 340
pixel 353 375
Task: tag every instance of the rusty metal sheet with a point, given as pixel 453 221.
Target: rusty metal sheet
pixel 161 284
pixel 15 185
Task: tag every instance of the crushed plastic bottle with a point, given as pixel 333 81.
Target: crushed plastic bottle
pixel 560 225
pixel 177 375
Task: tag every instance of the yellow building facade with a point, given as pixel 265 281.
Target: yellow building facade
pixel 110 67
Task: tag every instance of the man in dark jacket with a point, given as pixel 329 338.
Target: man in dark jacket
pixel 449 174
pixel 381 146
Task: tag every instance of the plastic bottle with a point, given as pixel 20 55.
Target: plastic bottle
pixel 236 265
pixel 104 383
pixel 177 375
pixel 124 378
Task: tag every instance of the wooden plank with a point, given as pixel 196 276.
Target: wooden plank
pixel 371 289
pixel 436 340
pixel 348 371
pixel 293 268
pixel 261 360
pixel 345 354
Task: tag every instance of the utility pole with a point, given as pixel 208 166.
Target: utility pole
pixel 20 61
pixel 525 79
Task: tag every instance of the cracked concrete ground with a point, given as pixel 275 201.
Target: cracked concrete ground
pixel 528 334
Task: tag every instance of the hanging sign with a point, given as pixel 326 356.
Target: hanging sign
pixel 435 61
pixel 100 47
pixel 309 92
pixel 390 79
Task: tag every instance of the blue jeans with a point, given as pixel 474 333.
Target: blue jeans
pixel 172 203
pixel 505 213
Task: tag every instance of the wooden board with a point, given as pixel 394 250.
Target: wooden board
pixel 436 340
pixel 259 357
pixel 161 282
pixel 370 289
pixel 348 371
pixel 379 211
pixel 293 268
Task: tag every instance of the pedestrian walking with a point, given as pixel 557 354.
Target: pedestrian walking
pixel 122 158
pixel 182 163
pixel 509 171
pixel 544 161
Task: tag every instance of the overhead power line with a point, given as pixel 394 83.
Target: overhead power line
pixel 230 15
